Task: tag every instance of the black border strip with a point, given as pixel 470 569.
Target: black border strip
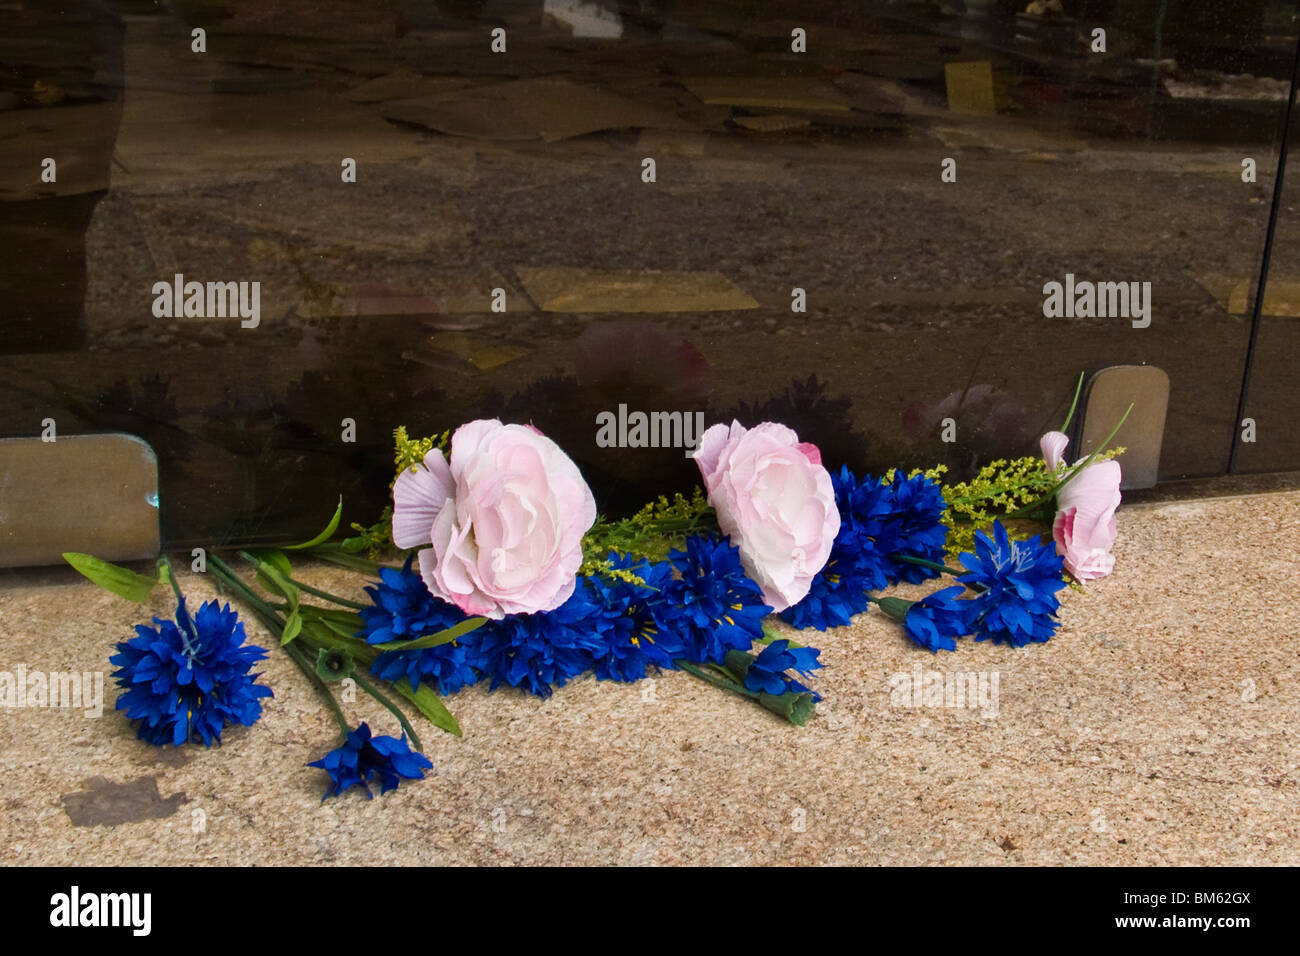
pixel 1257 312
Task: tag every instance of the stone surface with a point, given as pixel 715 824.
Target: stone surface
pixel 1157 727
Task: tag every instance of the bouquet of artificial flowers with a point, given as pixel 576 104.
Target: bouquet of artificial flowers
pixel 505 573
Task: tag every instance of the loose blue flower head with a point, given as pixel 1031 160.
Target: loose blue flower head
pixel 187 679
pixel 640 629
pixel 1016 584
pixel 937 618
pixel 767 672
pixel 720 608
pixel 538 651
pixel 403 608
pixel 363 757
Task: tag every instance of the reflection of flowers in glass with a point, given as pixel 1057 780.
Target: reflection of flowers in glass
pixel 505 519
pixel 364 757
pixel 1015 584
pixel 187 679
pixel 978 410
pixel 775 501
pixel 1085 527
pixel 721 608
pixel 612 355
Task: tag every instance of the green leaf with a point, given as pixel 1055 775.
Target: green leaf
pixel 771 634
pixel 324 535
pixel 320 634
pixel 343 631
pixel 273 571
pixel 429 704
pixel 292 627
pixel 1074 404
pixel 434 640
pixel 349 621
pixel 121 581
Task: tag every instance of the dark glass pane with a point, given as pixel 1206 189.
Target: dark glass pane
pixel 522 171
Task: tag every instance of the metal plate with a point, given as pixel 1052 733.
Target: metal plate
pixel 91 493
pixel 1109 393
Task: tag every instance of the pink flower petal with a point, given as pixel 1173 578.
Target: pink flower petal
pixel 1052 446
pixel 419 494
pixel 810 451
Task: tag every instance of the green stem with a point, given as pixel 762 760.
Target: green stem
pixel 1100 448
pixel 715 680
pixel 273 624
pixel 259 607
pixel 921 562
pixel 1077 389
pixel 1030 510
pixel 392 708
pixel 352 561
pixel 189 634
pixel 271 572
pixel 165 566
pixel 341 602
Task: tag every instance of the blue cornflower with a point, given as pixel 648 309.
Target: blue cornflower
pixel 840 589
pixel 539 650
pixel 187 679
pixel 937 618
pixel 720 608
pixel 445 668
pixel 363 757
pixel 403 608
pixel 915 527
pixel 878 520
pixel 1016 584
pixel 837 592
pixel 767 672
pixel 900 516
pixel 641 629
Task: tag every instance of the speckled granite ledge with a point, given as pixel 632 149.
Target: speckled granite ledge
pixel 1158 727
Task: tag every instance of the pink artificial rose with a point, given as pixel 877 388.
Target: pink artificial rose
pixel 505 520
pixel 1085 527
pixel 776 503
